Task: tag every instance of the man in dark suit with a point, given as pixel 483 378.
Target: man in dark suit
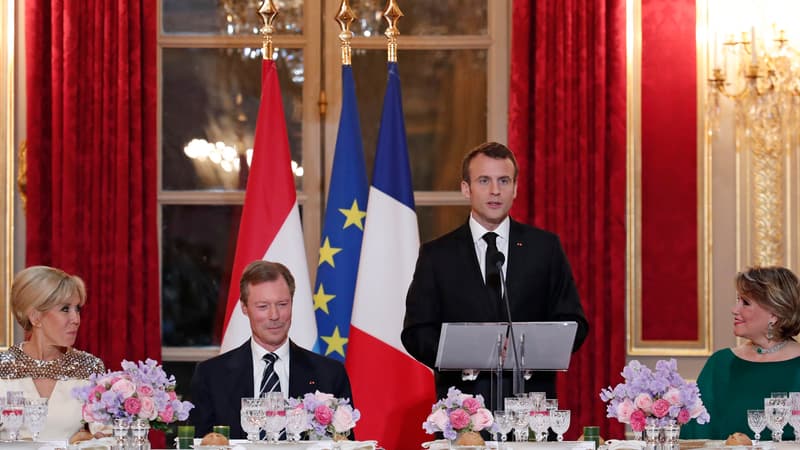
pixel 454 282
pixel 267 362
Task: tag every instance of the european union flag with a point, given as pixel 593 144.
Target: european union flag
pixel 343 230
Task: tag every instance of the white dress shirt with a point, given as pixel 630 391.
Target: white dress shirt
pixel 478 231
pixel 281 366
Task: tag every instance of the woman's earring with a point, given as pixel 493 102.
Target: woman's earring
pixel 770 335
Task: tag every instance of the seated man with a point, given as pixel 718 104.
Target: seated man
pixel 267 362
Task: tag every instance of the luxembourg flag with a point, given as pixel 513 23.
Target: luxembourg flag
pixel 392 389
pixel 270 225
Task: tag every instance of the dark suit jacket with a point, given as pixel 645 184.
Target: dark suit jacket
pixel 448 287
pixel 219 384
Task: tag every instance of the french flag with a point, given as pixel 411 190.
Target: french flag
pixel 270 226
pixel 392 389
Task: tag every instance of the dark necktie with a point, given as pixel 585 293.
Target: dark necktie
pixel 269 380
pixel 492 273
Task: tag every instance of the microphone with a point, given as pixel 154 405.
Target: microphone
pixel 498 258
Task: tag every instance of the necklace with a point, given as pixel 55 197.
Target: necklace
pixel 761 350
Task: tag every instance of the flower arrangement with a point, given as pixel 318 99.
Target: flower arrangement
pixel 139 391
pixel 328 416
pixel 661 395
pixel 458 413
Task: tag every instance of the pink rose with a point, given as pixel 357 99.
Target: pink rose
pixel 148 410
pixel 172 396
pixel 459 419
pixel 167 414
pixel 660 407
pixel 684 416
pixel 97 392
pixel 697 409
pixel 343 420
pixel 673 396
pixel 644 402
pixel 471 404
pixel 123 387
pixel 132 405
pixel 638 420
pixel 145 390
pixel 439 418
pixel 624 410
pixel 87 414
pixel 323 414
pixel 482 419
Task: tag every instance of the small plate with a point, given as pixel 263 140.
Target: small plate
pixel 213 447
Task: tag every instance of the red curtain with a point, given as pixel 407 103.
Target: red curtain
pixel 567 127
pixel 91 129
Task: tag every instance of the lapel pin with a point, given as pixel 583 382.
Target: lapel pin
pixel 519 244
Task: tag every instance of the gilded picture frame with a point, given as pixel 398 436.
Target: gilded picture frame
pixel 7 67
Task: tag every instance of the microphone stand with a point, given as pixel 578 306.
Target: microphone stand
pixel 518 385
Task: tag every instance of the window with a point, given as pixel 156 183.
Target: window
pixel 453 58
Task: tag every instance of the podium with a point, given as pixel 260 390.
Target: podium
pixel 544 346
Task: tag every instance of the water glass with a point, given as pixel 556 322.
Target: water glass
pixel 35 415
pixel 794 414
pixel 777 412
pixel 275 411
pixel 14 413
pixel 559 422
pixel 296 422
pixel 757 421
pixel 252 416
pixel 520 416
pixel 504 423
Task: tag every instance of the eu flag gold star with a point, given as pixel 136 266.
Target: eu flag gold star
pixel 321 299
pixel 326 253
pixel 335 343
pixel 354 216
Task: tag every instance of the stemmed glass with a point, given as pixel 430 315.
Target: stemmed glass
pixel 520 413
pixel 539 423
pixel 296 422
pixel 252 416
pixel 559 422
pixel 14 413
pixel 757 421
pixel 275 410
pixel 794 414
pixel 504 424
pixel 777 412
pixel 35 415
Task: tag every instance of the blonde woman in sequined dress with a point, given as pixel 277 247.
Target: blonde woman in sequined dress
pixel 47 303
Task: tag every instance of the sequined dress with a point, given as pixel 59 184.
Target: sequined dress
pixel 18 370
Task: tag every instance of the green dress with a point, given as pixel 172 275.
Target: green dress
pixel 729 386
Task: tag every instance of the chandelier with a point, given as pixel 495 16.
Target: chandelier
pixel 755 67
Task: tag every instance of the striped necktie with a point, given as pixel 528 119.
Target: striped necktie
pixel 269 380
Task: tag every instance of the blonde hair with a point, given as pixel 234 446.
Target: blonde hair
pixel 41 288
pixel 776 289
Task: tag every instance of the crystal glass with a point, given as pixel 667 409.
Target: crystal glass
pixel 13 413
pixel 794 414
pixel 777 412
pixel 539 421
pixel 35 414
pixel 559 422
pixel 503 420
pixel 520 416
pixel 537 400
pixel 252 417
pixel 296 422
pixel 757 421
pixel 275 411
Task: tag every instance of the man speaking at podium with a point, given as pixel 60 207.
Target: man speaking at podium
pixel 456 278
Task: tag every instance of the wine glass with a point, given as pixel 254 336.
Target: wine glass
pixel 757 421
pixel 559 422
pixel 275 411
pixel 777 413
pixel 35 414
pixel 252 416
pixel 539 423
pixel 296 422
pixel 519 417
pixel 14 413
pixel 794 414
pixel 504 423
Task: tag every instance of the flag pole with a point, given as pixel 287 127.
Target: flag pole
pixel 268 11
pixel 392 14
pixel 345 18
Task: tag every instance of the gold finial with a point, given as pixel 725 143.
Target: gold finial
pixel 392 14
pixel 345 17
pixel 268 11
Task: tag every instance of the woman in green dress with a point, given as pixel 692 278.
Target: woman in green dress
pixel 733 380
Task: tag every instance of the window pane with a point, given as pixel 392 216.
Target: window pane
pixel 444 103
pixel 210 98
pixel 435 221
pixel 196 264
pixel 423 17
pixel 228 16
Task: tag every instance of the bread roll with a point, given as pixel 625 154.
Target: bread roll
pixel 80 436
pixel 214 439
pixel 738 439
